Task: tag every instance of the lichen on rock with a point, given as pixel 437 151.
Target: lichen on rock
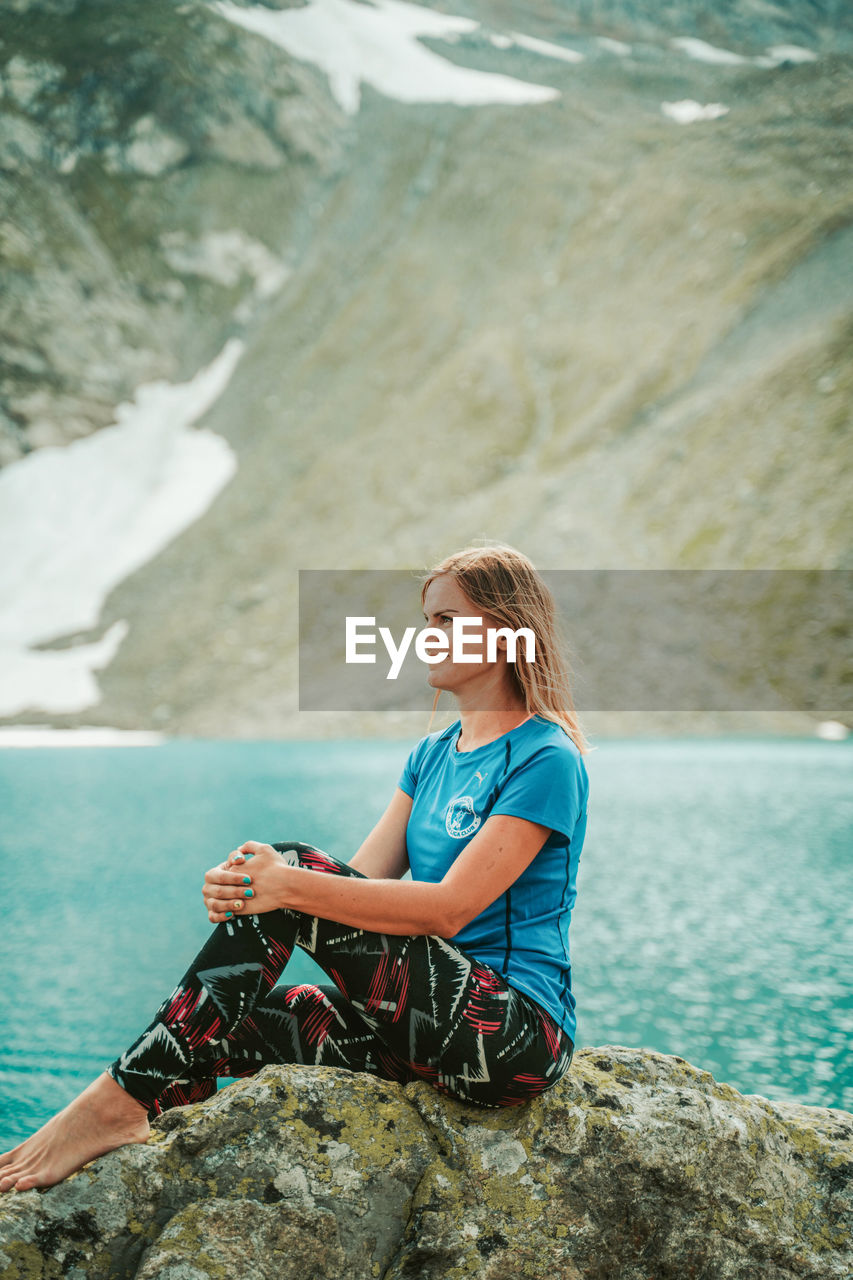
pixel 637 1164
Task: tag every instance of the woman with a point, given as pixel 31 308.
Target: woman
pixel 460 977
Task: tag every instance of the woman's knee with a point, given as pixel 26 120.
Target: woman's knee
pixel 298 854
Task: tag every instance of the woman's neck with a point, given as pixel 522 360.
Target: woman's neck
pixel 480 727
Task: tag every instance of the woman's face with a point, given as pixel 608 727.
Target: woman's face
pixel 445 600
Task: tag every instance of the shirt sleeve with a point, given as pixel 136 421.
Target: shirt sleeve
pixel 550 788
pixel 409 777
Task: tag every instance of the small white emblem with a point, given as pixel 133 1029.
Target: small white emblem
pixel 460 819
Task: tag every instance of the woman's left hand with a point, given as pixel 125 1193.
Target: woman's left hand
pixel 249 882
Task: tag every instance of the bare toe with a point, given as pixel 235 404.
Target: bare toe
pixel 30 1180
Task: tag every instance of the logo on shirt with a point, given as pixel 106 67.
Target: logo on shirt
pixel 460 819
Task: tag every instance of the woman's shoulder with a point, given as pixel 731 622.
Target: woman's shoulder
pixel 551 735
pixel 548 745
pixel 425 756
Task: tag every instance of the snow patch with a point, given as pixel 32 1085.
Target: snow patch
pixel 547 49
pixel 688 112
pixel 832 731
pixel 225 257
pixel 355 42
pixel 57 680
pixel 76 521
pixel 614 46
pixel 27 735
pixel 701 51
pixel 776 55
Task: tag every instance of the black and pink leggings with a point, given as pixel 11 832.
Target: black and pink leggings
pixel 402 1007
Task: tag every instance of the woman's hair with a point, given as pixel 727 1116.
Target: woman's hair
pixel 503 582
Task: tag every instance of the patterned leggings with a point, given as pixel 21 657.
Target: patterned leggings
pixel 403 1008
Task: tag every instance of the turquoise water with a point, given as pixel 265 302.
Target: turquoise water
pixel 714 916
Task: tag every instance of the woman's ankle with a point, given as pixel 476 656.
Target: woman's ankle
pixel 108 1096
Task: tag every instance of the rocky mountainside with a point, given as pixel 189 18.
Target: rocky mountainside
pixel 582 317
pixel 141 155
pixel 636 1164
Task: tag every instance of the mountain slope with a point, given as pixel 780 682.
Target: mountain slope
pixel 575 325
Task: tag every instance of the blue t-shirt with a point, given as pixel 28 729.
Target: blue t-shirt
pixel 535 772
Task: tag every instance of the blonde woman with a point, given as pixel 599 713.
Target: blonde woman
pixel 460 976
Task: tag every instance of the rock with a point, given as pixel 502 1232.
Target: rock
pixel 117 128
pixel 12 446
pixel 240 141
pixel 637 1164
pixel 24 81
pixel 149 150
pixel 21 144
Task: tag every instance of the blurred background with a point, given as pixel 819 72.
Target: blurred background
pixel 347 285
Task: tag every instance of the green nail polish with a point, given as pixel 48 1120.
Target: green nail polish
pixel 228 915
pixel 249 893
pixel 247 879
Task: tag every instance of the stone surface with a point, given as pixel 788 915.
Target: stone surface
pixel 638 1164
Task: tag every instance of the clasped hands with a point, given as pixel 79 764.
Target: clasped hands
pixel 251 880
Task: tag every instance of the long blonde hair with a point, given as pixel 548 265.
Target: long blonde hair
pixel 503 582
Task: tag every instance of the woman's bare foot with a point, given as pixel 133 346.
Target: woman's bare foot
pixel 102 1118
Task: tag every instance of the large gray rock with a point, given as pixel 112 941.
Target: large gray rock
pixel 636 1165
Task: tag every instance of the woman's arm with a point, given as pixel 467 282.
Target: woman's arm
pixel 489 864
pixel 383 854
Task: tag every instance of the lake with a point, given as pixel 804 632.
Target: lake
pixel 714 917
